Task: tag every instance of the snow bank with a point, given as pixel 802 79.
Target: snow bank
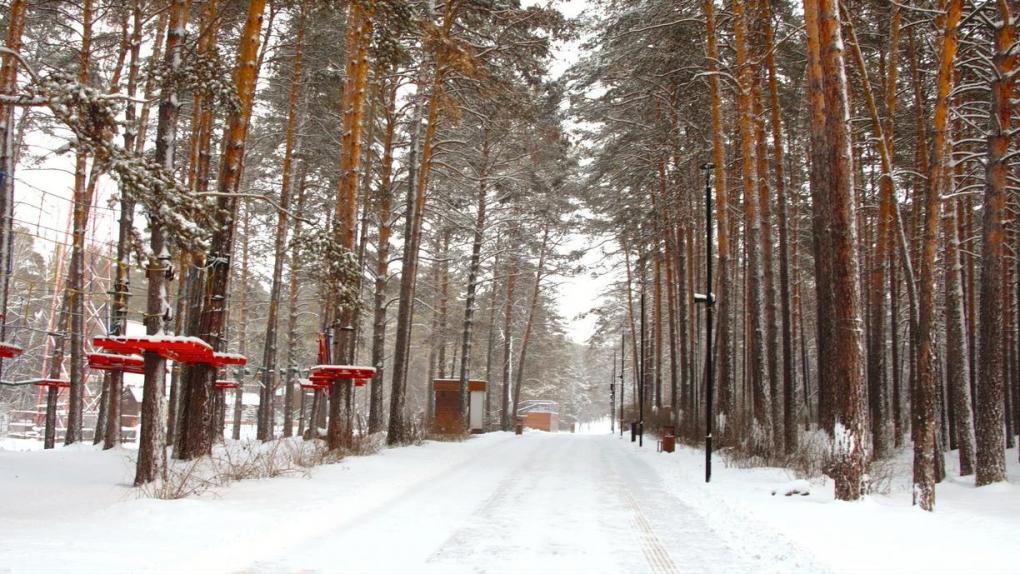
pixel 972 529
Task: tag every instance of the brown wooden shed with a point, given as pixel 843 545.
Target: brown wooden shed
pixel 446 419
pixel 544 421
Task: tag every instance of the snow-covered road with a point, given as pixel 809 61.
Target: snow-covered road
pixel 495 503
pixel 541 502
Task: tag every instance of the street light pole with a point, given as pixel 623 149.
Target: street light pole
pixel 641 362
pixel 612 398
pixel 709 302
pixel 623 367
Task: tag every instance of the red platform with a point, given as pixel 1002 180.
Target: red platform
pixel 58 383
pixel 111 362
pixel 224 385
pixel 334 373
pixel 9 351
pixel 178 349
pixel 227 359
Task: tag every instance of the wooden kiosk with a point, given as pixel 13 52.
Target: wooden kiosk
pixel 446 419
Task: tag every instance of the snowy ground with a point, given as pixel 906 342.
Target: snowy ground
pixel 495 503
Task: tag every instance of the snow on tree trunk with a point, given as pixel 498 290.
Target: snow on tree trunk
pixel 384 215
pixel 850 430
pixel 151 439
pixel 196 441
pixel 16 12
pixel 924 418
pixel 474 268
pixel 762 426
pixel 991 460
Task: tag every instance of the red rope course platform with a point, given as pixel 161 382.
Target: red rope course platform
pixel 334 373
pixel 177 349
pixel 58 383
pixel 9 351
pixel 114 362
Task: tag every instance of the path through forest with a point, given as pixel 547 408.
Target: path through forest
pixel 541 502
pixel 494 503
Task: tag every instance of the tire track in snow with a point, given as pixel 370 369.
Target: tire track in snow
pixel 655 554
pixel 513 482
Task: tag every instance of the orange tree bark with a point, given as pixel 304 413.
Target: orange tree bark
pixel 16 13
pixel 825 337
pixel 359 34
pixel 724 384
pixel 991 460
pixel 211 321
pixel 876 275
pixel 789 375
pixel 762 14
pixel 924 413
pixel 848 381
pixel 761 430
pixel 76 271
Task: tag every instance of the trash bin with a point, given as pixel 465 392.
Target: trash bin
pixel 668 443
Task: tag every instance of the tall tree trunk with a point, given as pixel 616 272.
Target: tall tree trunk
pixel 382 266
pixel 771 340
pixel 789 378
pixel 211 320
pixel 513 268
pixel 151 441
pixel 956 344
pixel 293 289
pixel 824 322
pixel 122 279
pixel 474 268
pixel 241 329
pixel 724 384
pixel 16 12
pixel 991 459
pixel 76 273
pixel 529 324
pixel 761 431
pixel 359 34
pixel 924 420
pixel 850 393
pixel 267 414
pixel 418 173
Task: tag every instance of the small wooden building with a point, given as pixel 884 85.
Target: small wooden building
pixel 540 415
pixel 446 419
pixel 544 421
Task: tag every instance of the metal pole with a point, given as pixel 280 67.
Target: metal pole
pixel 623 367
pixel 641 363
pixel 612 398
pixel 709 305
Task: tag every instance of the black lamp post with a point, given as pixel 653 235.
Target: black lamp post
pixel 709 301
pixel 623 367
pixel 642 391
pixel 612 398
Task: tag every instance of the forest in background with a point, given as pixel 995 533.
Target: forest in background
pixel 406 176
